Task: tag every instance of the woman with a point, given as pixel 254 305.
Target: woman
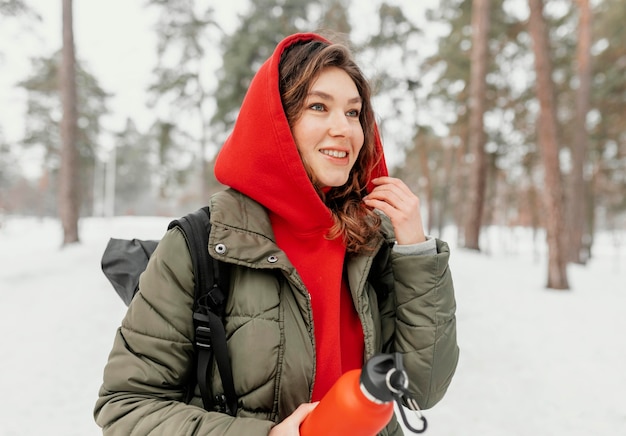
pixel 330 265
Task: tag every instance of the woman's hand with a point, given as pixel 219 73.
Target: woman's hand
pixel 395 199
pixel 291 425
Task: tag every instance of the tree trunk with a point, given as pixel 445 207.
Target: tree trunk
pixel 422 145
pixel 577 233
pixel 477 138
pixel 459 182
pixel 204 137
pixel 445 188
pixel 549 145
pixel 68 172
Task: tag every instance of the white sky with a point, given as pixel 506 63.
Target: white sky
pixel 117 41
pixel 533 362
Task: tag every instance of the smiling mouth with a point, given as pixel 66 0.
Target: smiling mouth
pixel 334 153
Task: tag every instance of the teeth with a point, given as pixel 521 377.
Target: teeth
pixel 335 153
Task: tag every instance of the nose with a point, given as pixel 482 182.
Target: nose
pixel 339 124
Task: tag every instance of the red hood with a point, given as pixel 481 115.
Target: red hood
pixel 260 158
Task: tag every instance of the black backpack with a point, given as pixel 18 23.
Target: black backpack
pixel 124 260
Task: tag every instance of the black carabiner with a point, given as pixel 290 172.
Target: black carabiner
pixel 398 384
pixel 415 408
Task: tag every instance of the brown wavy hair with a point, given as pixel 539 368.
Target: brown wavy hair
pixel 300 64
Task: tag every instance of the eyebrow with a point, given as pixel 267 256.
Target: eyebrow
pixel 326 96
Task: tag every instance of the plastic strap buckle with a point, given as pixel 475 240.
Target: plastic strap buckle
pixel 203 332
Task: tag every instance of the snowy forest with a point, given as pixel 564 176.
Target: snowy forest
pixel 507 113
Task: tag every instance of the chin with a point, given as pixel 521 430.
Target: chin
pixel 334 183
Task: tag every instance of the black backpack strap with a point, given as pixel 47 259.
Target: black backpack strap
pixel 210 290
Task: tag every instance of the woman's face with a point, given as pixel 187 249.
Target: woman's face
pixel 328 134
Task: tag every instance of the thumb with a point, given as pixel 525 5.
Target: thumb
pixel 303 411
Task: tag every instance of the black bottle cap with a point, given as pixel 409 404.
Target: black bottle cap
pixel 374 376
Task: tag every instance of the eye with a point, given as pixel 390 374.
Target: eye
pixel 317 107
pixel 354 113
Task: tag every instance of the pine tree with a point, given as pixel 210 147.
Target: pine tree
pixel 607 153
pixel 549 142
pixel 68 192
pixel 577 186
pixel 42 123
pixel 134 166
pixel 264 25
pixel 17 8
pixel 477 137
pixel 186 34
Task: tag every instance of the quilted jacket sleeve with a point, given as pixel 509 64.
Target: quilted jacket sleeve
pixel 419 321
pixel 148 367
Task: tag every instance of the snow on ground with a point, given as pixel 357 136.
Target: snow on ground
pixel 533 361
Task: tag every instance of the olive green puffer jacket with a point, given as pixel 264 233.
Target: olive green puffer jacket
pixel 269 329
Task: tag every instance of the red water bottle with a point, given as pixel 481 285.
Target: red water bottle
pixel 360 403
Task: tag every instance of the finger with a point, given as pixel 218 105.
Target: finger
pixel 396 186
pixel 384 206
pixel 403 201
pixel 386 194
pixel 408 227
pixel 386 180
pixel 303 411
pixel 291 425
pixel 400 210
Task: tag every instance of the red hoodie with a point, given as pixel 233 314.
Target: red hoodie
pixel 260 159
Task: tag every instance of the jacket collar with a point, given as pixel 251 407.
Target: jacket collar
pixel 243 227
